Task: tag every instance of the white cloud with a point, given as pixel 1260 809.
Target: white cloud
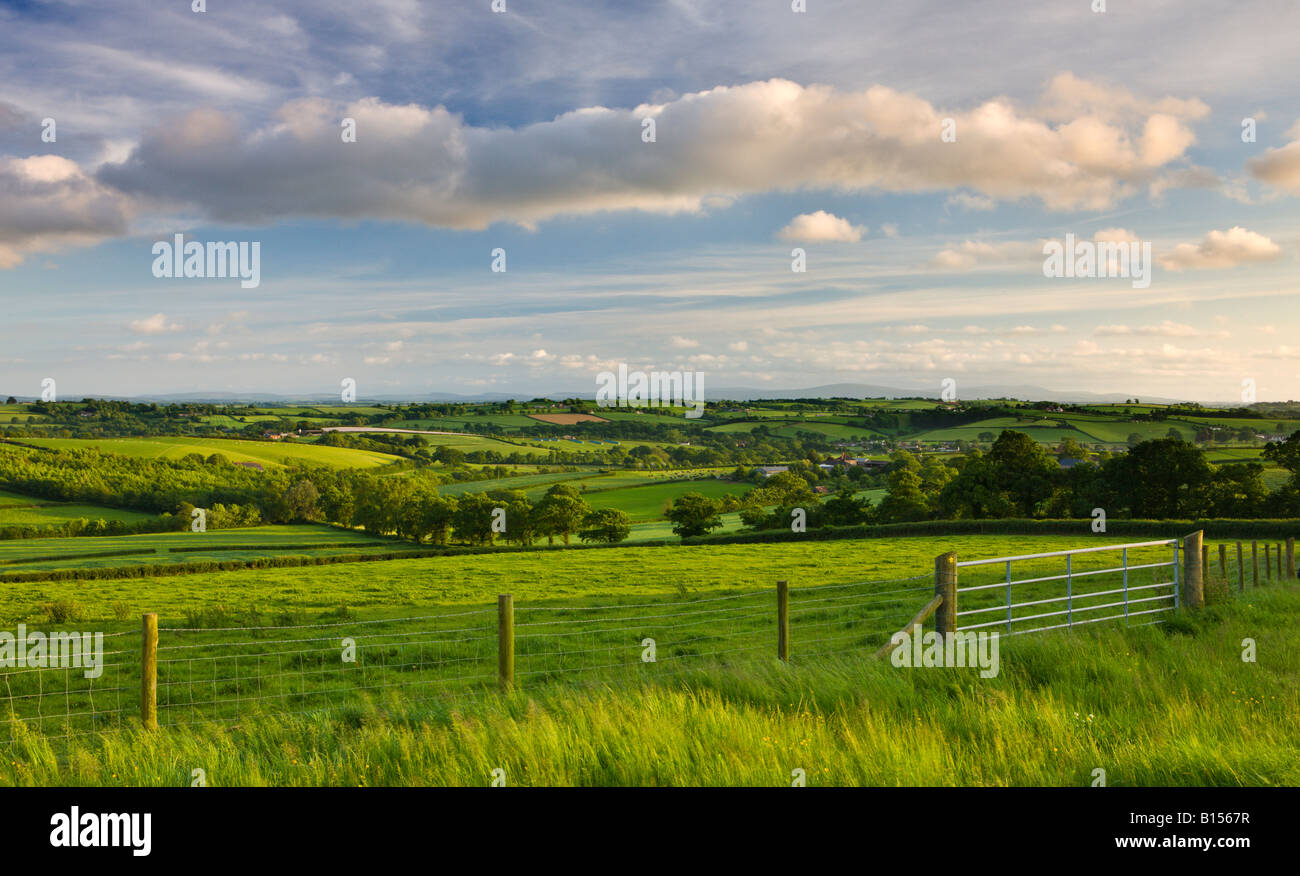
pixel 1222 249
pixel 821 227
pixel 413 163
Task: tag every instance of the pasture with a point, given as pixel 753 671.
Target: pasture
pixel 1172 705
pixel 264 453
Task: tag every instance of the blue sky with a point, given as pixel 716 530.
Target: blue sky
pixel 523 131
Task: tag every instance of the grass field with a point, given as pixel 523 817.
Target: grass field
pixel 648 502
pixel 1173 705
pixel 179 547
pixel 411 584
pixel 265 453
pixel 43 513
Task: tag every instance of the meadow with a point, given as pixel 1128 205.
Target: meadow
pixel 264 453
pixel 17 509
pixel 106 552
pixel 1171 705
pixel 649 502
pixel 654 570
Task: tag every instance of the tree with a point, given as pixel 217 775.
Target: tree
pixel 1071 449
pixel 694 514
pixel 606 526
pixel 905 501
pixel 1161 479
pixel 302 501
pixel 560 512
pixel 521 522
pixel 1285 454
pixel 1022 471
pixel 472 518
pixel 436 516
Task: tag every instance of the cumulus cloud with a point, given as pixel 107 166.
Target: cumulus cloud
pixel 821 227
pixel 1092 147
pixel 1281 166
pixel 1222 249
pixel 48 202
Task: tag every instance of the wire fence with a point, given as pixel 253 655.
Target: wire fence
pixel 194 674
pixel 56 693
pixel 228 674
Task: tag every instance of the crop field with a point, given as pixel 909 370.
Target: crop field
pixel 265 453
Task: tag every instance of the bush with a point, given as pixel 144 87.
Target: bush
pixel 63 611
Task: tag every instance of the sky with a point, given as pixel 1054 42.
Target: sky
pixel 648 175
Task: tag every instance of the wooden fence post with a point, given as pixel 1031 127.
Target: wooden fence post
pixel 945 585
pixel 1241 570
pixel 783 620
pixel 1223 561
pixel 1194 570
pixel 149 672
pixel 1254 561
pixel 1205 559
pixel 1290 558
pixel 506 640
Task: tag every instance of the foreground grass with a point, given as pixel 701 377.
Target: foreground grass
pixel 1157 705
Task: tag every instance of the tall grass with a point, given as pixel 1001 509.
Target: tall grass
pixel 1158 705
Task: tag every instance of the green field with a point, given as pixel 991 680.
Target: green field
pixel 41 554
pixel 648 502
pixel 1173 705
pixel 39 512
pixel 459 580
pixel 265 453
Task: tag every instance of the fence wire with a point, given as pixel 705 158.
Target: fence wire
pixel 228 674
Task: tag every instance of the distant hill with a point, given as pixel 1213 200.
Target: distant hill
pixel 830 390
